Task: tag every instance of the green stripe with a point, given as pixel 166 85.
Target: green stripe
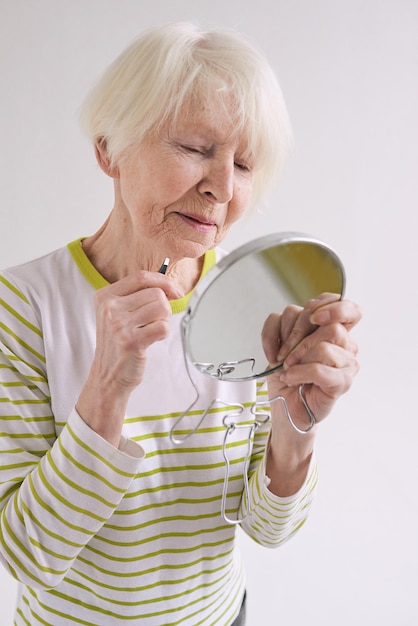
pixel 195 450
pixel 47 550
pixel 154 614
pixel 22 402
pixel 52 511
pixel 4 468
pixel 87 470
pixel 180 432
pixel 49 610
pixel 21 319
pixel 196 412
pixel 24 345
pixel 25 621
pixel 13 288
pixel 92 452
pixel 155 585
pixel 28 436
pixel 152 507
pixel 142 542
pixel 33 379
pixel 7 494
pixel 44 529
pixel 78 488
pixel 188 467
pixel 150 570
pixel 57 496
pixel 26 552
pixel 161 520
pixel 195 502
pixel 13 357
pixel 148 555
pixel 179 485
pixel 27 420
pixel 177 501
pixel 18 384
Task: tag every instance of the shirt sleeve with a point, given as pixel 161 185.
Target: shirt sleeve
pixel 272 520
pixel 56 491
pixel 269 519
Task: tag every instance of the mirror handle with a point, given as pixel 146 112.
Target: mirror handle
pixel 307 408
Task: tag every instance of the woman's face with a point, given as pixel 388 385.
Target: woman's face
pixel 180 190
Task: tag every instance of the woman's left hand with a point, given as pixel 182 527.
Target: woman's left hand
pixel 316 349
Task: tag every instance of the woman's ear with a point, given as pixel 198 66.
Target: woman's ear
pixel 103 159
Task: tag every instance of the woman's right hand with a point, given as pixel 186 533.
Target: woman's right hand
pixel 131 314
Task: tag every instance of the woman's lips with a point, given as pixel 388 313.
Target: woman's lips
pixel 197 222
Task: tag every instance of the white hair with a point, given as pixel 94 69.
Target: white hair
pixel 169 67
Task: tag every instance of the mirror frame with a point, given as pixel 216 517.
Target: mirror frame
pixel 230 259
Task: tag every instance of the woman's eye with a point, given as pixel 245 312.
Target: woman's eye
pixel 242 166
pixel 193 149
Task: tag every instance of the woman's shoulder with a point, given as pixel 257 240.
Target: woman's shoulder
pixel 50 272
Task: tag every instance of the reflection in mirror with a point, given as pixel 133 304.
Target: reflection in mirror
pixel 223 324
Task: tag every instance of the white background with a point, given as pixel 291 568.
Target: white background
pixel 349 72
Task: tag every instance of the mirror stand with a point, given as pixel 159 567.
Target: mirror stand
pixel 231 423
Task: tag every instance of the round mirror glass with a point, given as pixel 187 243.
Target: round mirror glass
pixel 223 323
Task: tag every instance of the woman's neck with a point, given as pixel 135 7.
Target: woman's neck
pixel 115 252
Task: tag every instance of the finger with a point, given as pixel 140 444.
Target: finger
pixel 270 336
pixel 118 310
pixel 140 299
pixel 303 325
pixel 289 317
pixel 149 333
pixel 332 380
pixel 143 280
pixel 139 311
pixel 343 312
pixel 123 314
pixel 333 334
pixel 123 340
pixel 276 328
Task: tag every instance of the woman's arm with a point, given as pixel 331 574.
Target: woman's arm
pixel 131 314
pixel 58 484
pixel 317 351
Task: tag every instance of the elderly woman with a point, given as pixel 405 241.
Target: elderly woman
pixel 104 520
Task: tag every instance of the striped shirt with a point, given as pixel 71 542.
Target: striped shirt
pixel 102 536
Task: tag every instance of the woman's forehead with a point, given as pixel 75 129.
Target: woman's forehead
pixel 213 117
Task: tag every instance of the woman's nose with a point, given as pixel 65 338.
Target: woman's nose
pixel 218 180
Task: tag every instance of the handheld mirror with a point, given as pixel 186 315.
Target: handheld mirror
pixel 226 313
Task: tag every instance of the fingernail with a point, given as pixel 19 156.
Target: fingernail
pixel 320 317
